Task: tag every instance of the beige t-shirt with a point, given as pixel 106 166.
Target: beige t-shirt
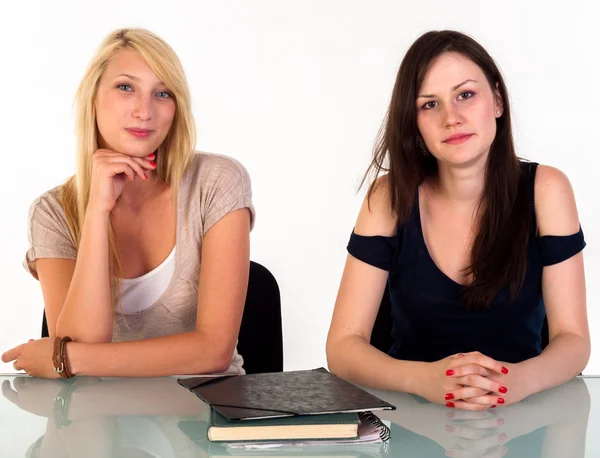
pixel 212 186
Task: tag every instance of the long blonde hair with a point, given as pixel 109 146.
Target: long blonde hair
pixel 174 153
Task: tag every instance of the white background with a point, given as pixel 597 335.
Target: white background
pixel 295 90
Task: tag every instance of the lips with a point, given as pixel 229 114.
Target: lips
pixel 139 133
pixel 457 139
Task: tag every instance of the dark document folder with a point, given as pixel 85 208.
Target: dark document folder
pixel 281 394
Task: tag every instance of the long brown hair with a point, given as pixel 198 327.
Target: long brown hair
pixel 498 256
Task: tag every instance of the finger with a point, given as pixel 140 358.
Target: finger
pixel 126 165
pixel 478 359
pixel 477 381
pixel 463 405
pixel 489 400
pixel 17 367
pixel 8 392
pixel 10 355
pixel 146 162
pixel 465 393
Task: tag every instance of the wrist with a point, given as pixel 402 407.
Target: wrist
pixel 96 212
pixel 414 378
pixel 523 375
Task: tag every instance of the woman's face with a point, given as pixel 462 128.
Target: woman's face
pixel 457 110
pixel 134 109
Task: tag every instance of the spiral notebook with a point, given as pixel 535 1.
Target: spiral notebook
pixel 282 394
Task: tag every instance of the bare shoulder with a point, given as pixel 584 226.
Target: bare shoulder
pixel 376 215
pixel 555 206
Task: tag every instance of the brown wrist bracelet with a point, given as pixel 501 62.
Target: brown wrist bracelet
pixel 59 357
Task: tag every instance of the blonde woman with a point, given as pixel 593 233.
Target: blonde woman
pixel 143 255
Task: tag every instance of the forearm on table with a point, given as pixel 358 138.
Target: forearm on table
pixel 353 359
pixel 563 359
pixel 87 315
pixel 184 353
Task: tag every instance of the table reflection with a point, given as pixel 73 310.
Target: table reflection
pixel 131 418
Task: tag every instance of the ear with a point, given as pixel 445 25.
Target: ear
pixel 498 102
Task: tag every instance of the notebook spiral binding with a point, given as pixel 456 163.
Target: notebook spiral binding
pixel 370 417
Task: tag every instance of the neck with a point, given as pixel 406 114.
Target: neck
pixel 462 185
pixel 137 193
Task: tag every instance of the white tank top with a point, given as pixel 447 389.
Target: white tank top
pixel 138 294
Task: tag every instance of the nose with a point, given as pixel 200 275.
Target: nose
pixel 452 116
pixel 142 109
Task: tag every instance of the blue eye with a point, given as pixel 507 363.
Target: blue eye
pixel 163 94
pixel 125 87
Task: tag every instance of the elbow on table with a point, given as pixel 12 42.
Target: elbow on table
pixel 216 360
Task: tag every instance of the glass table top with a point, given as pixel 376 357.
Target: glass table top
pixel 102 418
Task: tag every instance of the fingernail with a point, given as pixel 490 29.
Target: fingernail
pixel 503 389
pixel 145 176
pixel 152 164
pixel 504 370
pixel 500 400
pixel 450 404
pixel 449 428
pixel 461 354
pixel 502 437
pixel 449 372
pixel 449 396
pixel 151 156
pixel 500 421
pixel 493 407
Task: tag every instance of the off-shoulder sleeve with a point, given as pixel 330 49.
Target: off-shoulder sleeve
pixel 375 250
pixel 558 248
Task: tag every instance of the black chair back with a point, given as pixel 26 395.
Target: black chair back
pixel 260 341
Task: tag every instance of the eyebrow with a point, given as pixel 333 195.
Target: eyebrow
pixel 430 96
pixel 135 78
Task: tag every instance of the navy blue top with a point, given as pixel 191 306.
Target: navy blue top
pixel 431 322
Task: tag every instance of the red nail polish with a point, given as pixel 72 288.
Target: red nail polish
pixel 449 372
pixel 449 396
pixel 503 389
pixel 504 370
pixel 151 156
pixel 450 404
pixel 500 400
pixel 145 176
pixel 493 407
pixel 152 164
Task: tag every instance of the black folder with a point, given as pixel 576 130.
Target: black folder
pixel 282 394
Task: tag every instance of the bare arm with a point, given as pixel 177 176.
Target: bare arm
pixel 77 293
pixel 563 289
pixel 349 352
pixel 208 349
